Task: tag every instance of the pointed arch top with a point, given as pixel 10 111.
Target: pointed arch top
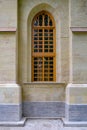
pixel 42 19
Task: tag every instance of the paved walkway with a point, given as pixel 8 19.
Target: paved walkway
pixel 43 124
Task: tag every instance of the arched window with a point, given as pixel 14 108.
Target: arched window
pixel 43 48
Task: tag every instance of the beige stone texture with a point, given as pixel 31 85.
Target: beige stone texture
pixel 60 11
pixel 71 47
pixel 78 13
pixel 10 94
pixel 78 39
pixel 8 13
pixel 79 57
pixel 64 60
pixel 43 92
pixel 76 94
pixel 8 60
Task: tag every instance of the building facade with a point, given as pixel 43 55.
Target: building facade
pixel 43 59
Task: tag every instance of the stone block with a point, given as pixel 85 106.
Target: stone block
pixel 10 102
pixel 44 109
pixel 76 102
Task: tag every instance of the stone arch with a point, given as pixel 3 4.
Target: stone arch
pixel 33 12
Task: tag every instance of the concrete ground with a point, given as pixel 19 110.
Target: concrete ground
pixel 43 124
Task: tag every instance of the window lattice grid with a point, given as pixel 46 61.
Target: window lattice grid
pixel 43 48
pixel 43 40
pixel 43 68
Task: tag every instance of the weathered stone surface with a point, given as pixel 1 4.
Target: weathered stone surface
pixel 71 58
pixel 8 57
pixel 44 109
pixel 79 57
pixel 76 94
pixel 8 13
pixel 76 102
pixel 44 92
pixel 10 94
pixel 10 112
pixel 78 13
pixel 10 102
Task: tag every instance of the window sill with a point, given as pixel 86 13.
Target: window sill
pixel 45 83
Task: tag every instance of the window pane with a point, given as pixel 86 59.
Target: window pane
pixel 51 34
pixel 40 46
pixel 51 30
pixel 40 34
pixel 45 46
pixel 46 30
pixel 45 38
pixel 50 47
pixel 50 50
pixel 46 50
pixel 35 38
pixel 35 71
pixel 46 20
pixel 40 20
pixel 50 42
pixel 35 79
pixel 50 22
pixel 35 32
pixel 40 30
pixel 40 42
pixel 46 34
pixel 50 38
pixel 46 42
pixel 35 50
pixel 40 38
pixel 36 23
pixel 40 50
pixel 51 71
pixel 35 43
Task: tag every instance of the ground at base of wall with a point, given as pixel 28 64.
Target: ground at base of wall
pixel 43 124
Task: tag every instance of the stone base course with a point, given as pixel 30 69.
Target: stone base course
pixel 44 109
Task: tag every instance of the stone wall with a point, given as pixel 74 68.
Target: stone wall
pixel 78 34
pixel 49 97
pixel 45 100
pixel 76 102
pixel 8 41
pixel 60 11
pixel 10 92
pixel 71 60
pixel 8 57
pixel 78 13
pixel 79 52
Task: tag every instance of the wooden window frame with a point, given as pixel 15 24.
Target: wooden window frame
pixel 44 54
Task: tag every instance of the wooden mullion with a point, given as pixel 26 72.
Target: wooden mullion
pixel 54 67
pixel 43 52
pixel 32 69
pixel 48 69
pixel 32 58
pixel 43 70
pixel 54 45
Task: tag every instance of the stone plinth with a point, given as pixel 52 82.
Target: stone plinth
pixel 76 104
pixel 10 102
